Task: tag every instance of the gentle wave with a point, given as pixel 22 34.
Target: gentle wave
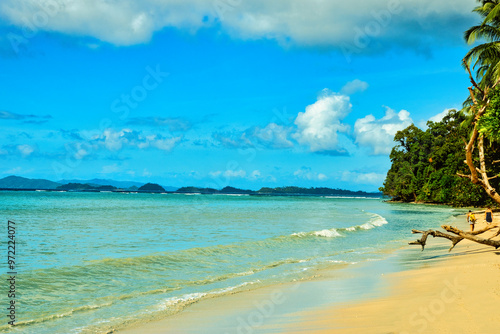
pixel 64 314
pixel 375 221
pixel 175 304
pixel 188 258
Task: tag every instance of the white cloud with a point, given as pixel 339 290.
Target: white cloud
pixel 325 23
pixel 322 177
pixel 255 175
pixel 25 150
pixel 319 125
pixel 363 178
pixel 166 144
pixel 116 140
pixel 353 87
pixel 234 173
pixel 439 117
pixel 229 174
pixel 81 150
pixel 273 135
pixel 215 174
pixel 306 173
pixel 378 134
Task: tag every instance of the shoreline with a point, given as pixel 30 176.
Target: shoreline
pixel 269 309
pixel 273 308
pixel 350 301
pixel 456 295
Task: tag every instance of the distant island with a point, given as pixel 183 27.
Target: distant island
pixel 152 187
pixel 98 185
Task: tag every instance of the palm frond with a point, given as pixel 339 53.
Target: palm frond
pixel 494 14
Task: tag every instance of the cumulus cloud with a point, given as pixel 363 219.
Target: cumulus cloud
pixel 378 134
pixel 81 150
pixel 25 150
pixel 234 173
pixel 439 117
pixel 318 127
pixel 255 175
pixel 353 87
pixel 364 25
pixel 228 174
pixel 273 135
pixel 306 173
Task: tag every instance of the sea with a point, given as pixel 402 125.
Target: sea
pixel 98 262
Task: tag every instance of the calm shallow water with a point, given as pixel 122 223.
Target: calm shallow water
pixel 91 262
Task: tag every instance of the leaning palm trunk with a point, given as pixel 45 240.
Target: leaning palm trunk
pixel 485 59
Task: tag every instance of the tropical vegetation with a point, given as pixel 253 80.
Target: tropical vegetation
pixel 456 160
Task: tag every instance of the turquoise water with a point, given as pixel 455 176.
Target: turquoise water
pixel 93 262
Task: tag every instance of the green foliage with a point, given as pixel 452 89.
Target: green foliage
pixel 425 164
pixel 484 58
pixel 489 123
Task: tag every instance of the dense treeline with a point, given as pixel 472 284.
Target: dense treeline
pixel 425 164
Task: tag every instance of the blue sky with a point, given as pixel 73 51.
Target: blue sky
pixel 224 92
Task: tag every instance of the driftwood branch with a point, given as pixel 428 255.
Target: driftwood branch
pixel 473 237
pixel 455 239
pixel 496 235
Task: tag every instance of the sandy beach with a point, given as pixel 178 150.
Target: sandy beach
pixel 440 292
pixel 458 295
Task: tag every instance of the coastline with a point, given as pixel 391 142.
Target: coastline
pixel 456 295
pixel 273 308
pixel 408 292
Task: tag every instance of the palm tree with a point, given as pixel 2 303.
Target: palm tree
pixel 485 58
pixel 483 102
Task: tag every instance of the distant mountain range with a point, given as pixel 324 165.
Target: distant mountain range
pixel 20 183
pixel 17 182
